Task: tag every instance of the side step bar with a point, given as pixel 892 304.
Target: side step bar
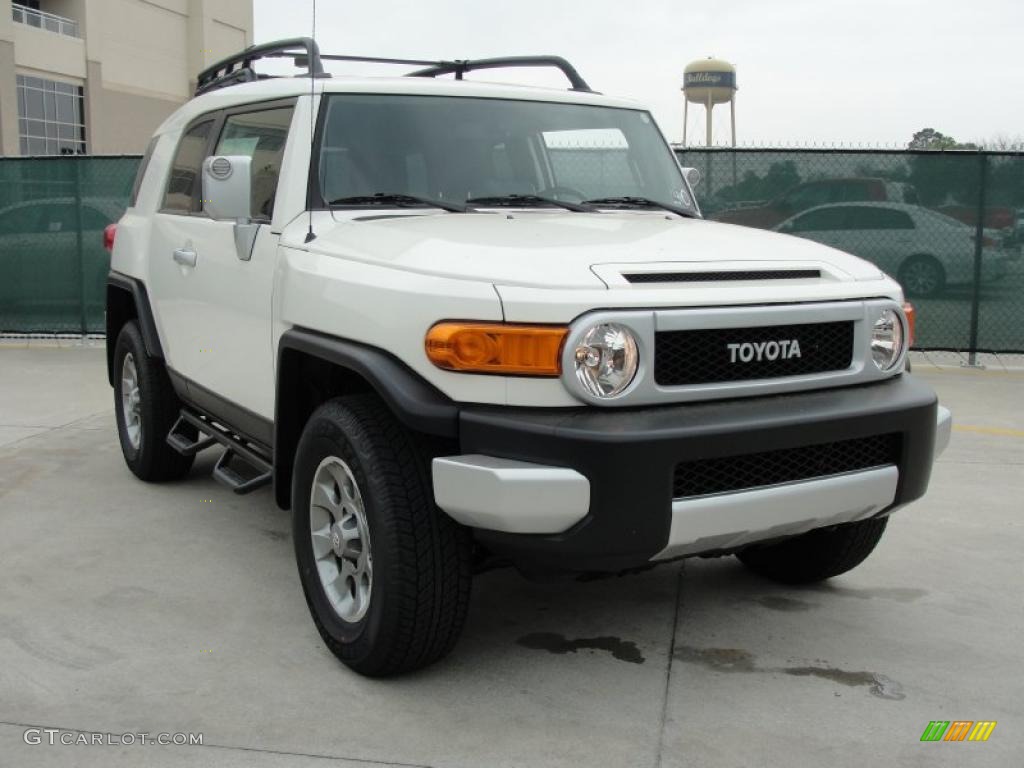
pixel 258 469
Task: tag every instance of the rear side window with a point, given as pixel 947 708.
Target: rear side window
pixel 139 174
pixel 183 186
pixel 823 220
pixel 261 136
pixel 878 218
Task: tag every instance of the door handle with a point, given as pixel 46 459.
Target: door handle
pixel 185 256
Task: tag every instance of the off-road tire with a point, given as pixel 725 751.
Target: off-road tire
pixel 815 555
pixel 421 557
pixel 153 460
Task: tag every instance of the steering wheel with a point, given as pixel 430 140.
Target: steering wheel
pixel 557 190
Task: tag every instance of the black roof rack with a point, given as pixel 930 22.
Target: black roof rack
pixel 460 67
pixel 306 54
pixel 238 67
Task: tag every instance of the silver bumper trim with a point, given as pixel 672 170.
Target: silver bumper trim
pixel 729 520
pixel 510 496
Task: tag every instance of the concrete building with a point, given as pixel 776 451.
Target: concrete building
pixel 97 76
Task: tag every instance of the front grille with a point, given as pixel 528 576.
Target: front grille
pixel 712 277
pixel 705 356
pixel 754 470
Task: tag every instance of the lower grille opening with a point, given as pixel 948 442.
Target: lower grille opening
pixel 754 470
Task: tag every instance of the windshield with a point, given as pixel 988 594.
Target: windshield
pixel 419 149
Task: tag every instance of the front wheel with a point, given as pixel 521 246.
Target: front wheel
pixel 385 573
pixel 146 408
pixel 815 555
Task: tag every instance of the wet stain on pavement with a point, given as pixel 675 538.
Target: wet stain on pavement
pixel 623 650
pixel 879 685
pixel 718 659
pixel 897 594
pixel 738 660
pixel 789 604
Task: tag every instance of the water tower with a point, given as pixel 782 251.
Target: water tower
pixel 709 81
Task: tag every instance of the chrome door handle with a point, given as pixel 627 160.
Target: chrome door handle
pixel 185 256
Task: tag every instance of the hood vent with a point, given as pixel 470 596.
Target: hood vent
pixel 711 277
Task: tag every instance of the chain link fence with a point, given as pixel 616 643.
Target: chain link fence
pixel 948 225
pixel 53 267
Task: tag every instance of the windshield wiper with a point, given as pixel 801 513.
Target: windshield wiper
pixel 399 199
pixel 525 201
pixel 629 201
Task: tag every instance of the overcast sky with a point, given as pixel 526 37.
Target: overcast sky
pixel 825 71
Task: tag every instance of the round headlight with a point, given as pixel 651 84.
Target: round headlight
pixel 606 359
pixel 887 340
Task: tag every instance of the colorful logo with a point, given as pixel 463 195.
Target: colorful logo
pixel 958 730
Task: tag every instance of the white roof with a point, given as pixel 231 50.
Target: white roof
pixel 286 87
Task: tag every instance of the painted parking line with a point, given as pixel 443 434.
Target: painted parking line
pixel 1001 431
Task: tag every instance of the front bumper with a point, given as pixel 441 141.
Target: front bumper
pixel 592 490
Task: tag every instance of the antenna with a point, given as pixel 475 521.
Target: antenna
pixel 310 236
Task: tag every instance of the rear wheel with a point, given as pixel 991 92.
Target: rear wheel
pixel 816 555
pixel 146 408
pixel 922 276
pixel 385 573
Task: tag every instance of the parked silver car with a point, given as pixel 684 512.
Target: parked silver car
pixel 925 250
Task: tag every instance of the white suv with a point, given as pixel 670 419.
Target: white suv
pixel 458 325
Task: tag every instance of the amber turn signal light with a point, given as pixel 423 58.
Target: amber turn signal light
pixel 524 350
pixel 911 314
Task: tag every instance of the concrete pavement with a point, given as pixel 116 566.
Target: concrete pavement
pixel 127 607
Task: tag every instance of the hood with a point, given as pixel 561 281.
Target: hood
pixel 569 250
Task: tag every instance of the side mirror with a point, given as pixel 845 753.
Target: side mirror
pixel 227 187
pixel 692 176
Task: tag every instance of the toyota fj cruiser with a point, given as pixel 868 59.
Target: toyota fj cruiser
pixel 458 324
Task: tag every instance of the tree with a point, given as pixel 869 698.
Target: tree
pixel 929 138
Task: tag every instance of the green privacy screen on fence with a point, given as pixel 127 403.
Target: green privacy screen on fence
pixel 934 220
pixel 53 268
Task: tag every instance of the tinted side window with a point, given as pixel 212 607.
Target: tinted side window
pixel 261 136
pixel 878 218
pixel 142 171
pixel 820 221
pixel 183 185
pixel 24 219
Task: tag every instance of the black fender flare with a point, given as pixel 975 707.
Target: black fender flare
pixel 414 401
pixel 136 289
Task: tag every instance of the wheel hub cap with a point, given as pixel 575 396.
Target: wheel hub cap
pixel 341 539
pixel 131 400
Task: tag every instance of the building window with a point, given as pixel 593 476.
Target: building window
pixel 50 117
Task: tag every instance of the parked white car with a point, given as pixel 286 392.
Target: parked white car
pixel 925 250
pixel 458 324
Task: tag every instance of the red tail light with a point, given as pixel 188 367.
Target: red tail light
pixel 108 236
